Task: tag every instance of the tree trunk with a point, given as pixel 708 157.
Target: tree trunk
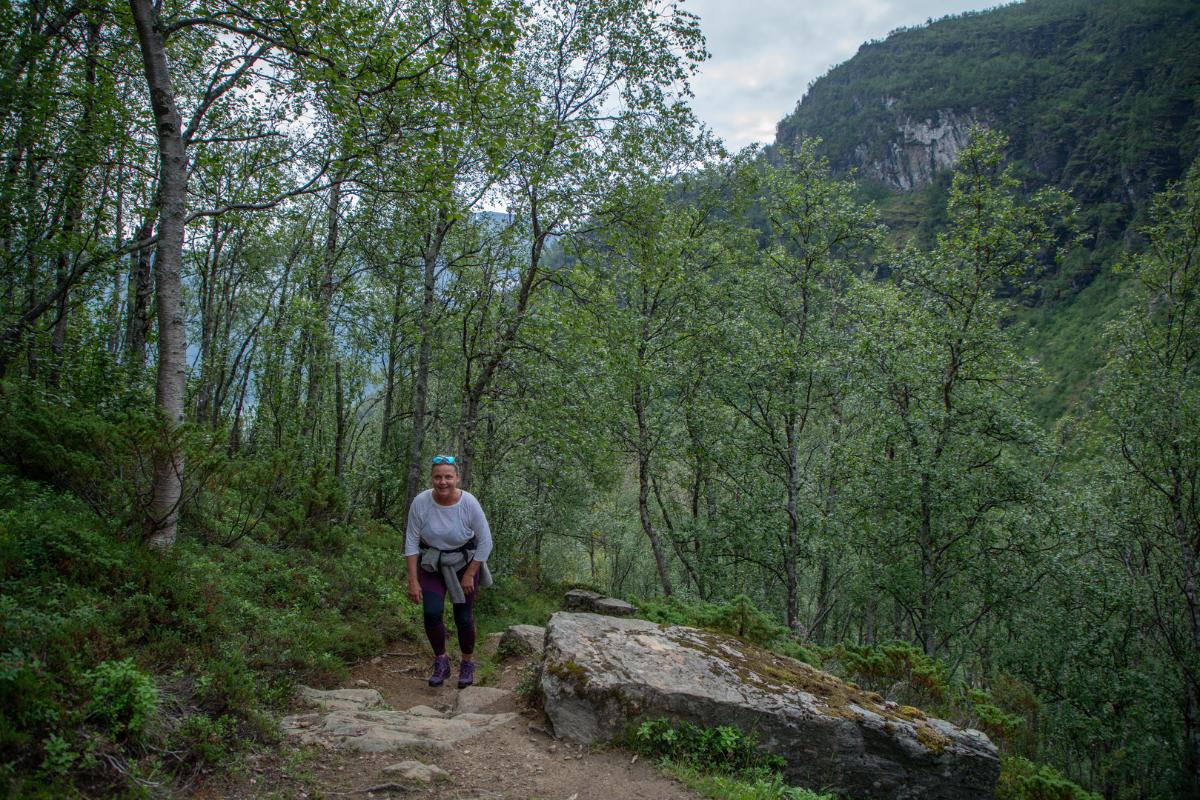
pixel 206 391
pixel 824 606
pixel 382 498
pixel 792 549
pixel 339 438
pixel 118 287
pixel 474 390
pixel 140 285
pixel 321 340
pixel 74 191
pixel 660 561
pixel 416 440
pixel 926 628
pixel 167 489
pixel 235 430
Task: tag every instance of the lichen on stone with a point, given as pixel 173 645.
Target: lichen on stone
pixel 934 740
pixel 568 672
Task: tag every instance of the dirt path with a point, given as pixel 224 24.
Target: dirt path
pixel 519 761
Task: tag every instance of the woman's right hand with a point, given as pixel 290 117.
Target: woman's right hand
pixel 414 591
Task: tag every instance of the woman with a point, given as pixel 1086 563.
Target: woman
pixel 447 545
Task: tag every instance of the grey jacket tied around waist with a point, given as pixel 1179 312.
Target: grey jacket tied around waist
pixel 448 562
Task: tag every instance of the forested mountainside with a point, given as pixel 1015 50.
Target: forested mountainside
pixel 1098 97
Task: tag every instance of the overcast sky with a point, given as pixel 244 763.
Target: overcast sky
pixel 766 52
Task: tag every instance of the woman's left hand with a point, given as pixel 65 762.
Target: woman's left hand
pixel 468 581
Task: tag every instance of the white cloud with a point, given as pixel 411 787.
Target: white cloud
pixel 766 52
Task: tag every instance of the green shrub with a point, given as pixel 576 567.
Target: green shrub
pixel 719 762
pixel 1021 779
pixel 736 617
pixel 900 665
pixel 991 718
pixel 767 786
pixel 123 698
pixel 720 749
pixel 30 705
pixel 205 740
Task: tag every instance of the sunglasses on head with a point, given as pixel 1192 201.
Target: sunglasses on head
pixel 443 460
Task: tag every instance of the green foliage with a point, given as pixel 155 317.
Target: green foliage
pixel 720 762
pixel 29 702
pixel 202 739
pixel 736 617
pixel 224 633
pixel 123 699
pixel 993 720
pixel 653 384
pixel 1142 448
pixel 1096 98
pixel 723 748
pixel 895 665
pixel 1058 58
pixel 1021 779
pixel 513 601
pixel 768 786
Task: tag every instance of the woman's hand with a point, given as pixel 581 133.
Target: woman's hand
pixel 468 578
pixel 414 591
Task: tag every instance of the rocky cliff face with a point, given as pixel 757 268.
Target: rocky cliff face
pixel 908 157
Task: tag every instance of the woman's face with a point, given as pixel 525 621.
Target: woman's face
pixel 445 481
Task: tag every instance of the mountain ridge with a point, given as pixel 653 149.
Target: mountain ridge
pixel 1099 98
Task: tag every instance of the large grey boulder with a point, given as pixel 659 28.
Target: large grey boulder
pixel 600 674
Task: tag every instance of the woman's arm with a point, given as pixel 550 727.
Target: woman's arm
pixel 483 533
pixel 414 585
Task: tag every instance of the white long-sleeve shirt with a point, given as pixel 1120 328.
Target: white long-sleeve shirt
pixel 447 527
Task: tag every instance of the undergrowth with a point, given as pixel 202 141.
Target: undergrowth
pixel 737 617
pixel 722 762
pixel 124 672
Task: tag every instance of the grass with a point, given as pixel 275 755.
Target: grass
pixel 512 601
pixel 768 786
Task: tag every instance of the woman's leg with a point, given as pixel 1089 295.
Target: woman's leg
pixel 464 623
pixel 433 603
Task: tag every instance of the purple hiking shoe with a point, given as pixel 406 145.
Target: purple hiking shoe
pixel 466 674
pixel 441 670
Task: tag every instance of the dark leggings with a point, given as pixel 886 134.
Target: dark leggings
pixel 433 599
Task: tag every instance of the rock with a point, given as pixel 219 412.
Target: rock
pixel 584 600
pixel 917 149
pixel 426 711
pixel 360 683
pixel 602 673
pixel 383 731
pixel 523 639
pixel 341 699
pixel 613 607
pixel 360 722
pixel 474 699
pixel 416 771
pixel 580 600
